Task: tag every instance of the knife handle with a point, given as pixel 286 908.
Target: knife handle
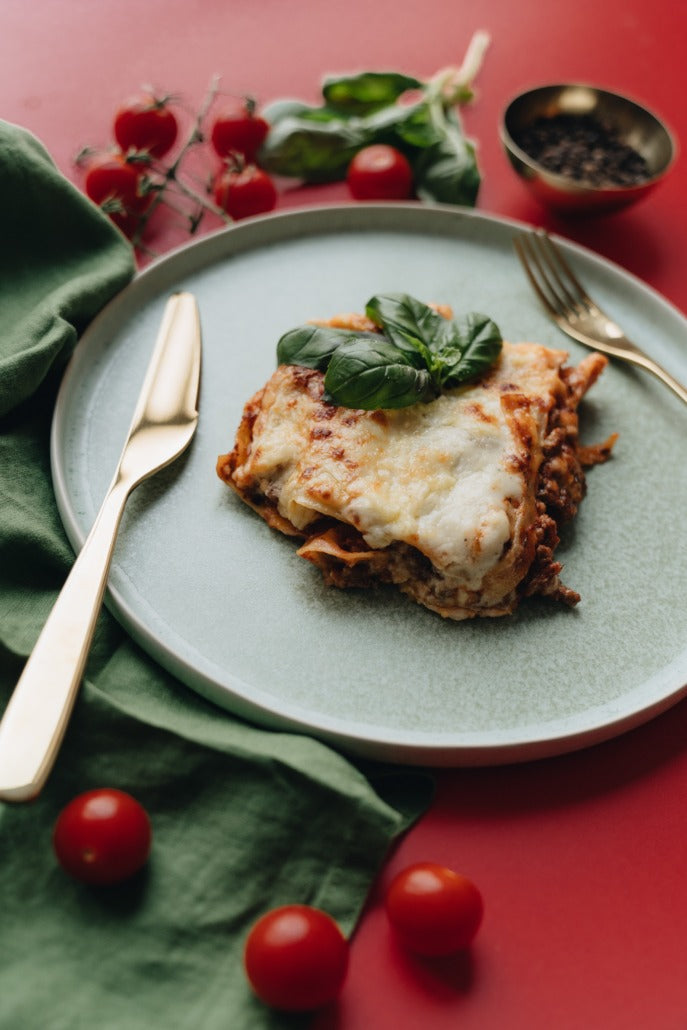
pixel 36 717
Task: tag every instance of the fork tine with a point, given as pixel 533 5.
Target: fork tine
pixel 553 260
pixel 527 257
pixel 564 292
pixel 531 257
pixel 560 267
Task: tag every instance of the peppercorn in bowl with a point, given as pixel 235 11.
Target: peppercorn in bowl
pixel 579 148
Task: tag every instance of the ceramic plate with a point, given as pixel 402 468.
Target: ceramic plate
pixel 223 602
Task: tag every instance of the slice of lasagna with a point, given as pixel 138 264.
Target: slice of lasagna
pixel 457 502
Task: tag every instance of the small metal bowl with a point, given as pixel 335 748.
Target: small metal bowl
pixel 633 125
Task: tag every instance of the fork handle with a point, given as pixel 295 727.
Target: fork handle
pixel 36 717
pixel 652 366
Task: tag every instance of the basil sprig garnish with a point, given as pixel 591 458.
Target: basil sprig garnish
pixel 417 354
pixel 317 144
pixel 421 118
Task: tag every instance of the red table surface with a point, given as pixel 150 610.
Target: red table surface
pixel 581 859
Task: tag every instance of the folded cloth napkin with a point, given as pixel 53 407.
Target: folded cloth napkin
pixel 243 818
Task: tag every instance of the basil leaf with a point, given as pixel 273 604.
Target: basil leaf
pixel 401 126
pixel 444 177
pixel 372 374
pixel 286 107
pixel 410 324
pixel 420 353
pixel 315 151
pixel 479 347
pixel 316 144
pixel 416 129
pixel 367 91
pixel 447 171
pixel 313 345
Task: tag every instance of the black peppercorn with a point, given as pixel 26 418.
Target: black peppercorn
pixel 584 149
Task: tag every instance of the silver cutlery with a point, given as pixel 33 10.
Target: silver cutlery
pixel 572 309
pixel 163 425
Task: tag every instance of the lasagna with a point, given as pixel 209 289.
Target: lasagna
pixel 456 502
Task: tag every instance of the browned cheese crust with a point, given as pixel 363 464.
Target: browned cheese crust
pixel 546 457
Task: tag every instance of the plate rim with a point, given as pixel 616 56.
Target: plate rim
pixel 405 747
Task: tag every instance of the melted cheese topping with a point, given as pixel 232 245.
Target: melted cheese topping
pixel 452 478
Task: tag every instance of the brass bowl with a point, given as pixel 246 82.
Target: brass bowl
pixel 633 125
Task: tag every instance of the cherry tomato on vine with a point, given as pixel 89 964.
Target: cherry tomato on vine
pixel 116 185
pixel 145 123
pixel 102 836
pixel 380 172
pixel 244 191
pixel 296 958
pixel 239 129
pixel 434 910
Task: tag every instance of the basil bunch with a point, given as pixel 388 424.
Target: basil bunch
pixel 418 353
pixel 316 143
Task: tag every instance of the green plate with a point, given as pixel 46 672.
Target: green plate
pixel 224 603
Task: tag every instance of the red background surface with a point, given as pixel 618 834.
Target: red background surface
pixel 581 859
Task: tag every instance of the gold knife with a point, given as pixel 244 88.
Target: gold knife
pixel 163 425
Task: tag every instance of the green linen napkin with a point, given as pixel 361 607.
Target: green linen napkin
pixel 243 818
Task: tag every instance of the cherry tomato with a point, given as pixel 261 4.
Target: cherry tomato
pixel 102 836
pixel 434 910
pixel 115 184
pixel 296 958
pixel 145 123
pixel 239 129
pixel 244 191
pixel 380 172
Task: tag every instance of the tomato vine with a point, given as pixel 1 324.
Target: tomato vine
pixel 134 177
pixel 387 134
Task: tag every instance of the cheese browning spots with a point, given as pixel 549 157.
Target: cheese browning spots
pixel 457 502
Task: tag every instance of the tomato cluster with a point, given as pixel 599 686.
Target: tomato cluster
pixel 295 956
pixel 142 169
pixel 123 181
pixel 241 188
pixel 126 180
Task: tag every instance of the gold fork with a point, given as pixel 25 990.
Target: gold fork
pixel 573 310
